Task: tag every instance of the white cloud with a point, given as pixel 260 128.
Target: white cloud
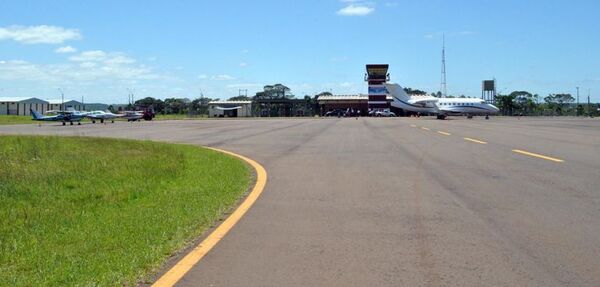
pixel 87 56
pixel 108 59
pixel 65 49
pixel 391 4
pixel 245 51
pixel 243 64
pixel 90 66
pixel 202 77
pixel 355 10
pixel 223 78
pixel 39 34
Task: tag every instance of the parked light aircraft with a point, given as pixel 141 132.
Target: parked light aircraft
pixel 61 116
pixel 102 116
pixel 442 107
pixel 133 116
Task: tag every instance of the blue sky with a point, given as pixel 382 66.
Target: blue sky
pixel 101 49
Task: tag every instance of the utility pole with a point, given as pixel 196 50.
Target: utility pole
pixel 577 108
pixel 443 85
pixel 588 109
pixel 62 97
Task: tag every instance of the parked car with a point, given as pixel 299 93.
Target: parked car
pixel 384 114
pixel 334 113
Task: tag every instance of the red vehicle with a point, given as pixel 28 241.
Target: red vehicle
pixel 148 113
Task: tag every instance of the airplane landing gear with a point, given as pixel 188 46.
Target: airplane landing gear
pixel 78 123
pixel 112 122
pixel 441 117
pixel 487 117
pixel 469 116
pixel 64 123
pixel 71 123
pixel 93 121
pixel 101 121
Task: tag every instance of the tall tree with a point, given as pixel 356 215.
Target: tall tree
pixel 157 104
pixel 199 106
pixel 506 104
pixel 176 106
pixel 524 101
pixel 277 91
pixel 240 98
pixel 558 102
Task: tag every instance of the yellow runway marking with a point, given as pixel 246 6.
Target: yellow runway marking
pixel 475 141
pixel 424 128
pixel 184 265
pixel 538 155
pixel 444 133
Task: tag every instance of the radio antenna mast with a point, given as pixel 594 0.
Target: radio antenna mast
pixel 443 85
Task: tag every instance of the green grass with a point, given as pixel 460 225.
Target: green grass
pixel 104 212
pixel 179 117
pixel 14 120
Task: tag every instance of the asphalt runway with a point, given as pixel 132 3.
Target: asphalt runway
pixel 401 201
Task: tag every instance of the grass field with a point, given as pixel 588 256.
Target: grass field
pixel 98 212
pixel 13 120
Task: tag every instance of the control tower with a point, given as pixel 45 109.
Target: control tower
pixel 377 75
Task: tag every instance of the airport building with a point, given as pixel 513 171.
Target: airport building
pixel 20 106
pixel 344 102
pixel 58 105
pixel 230 109
pixel 377 76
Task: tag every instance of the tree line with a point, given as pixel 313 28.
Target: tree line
pixel 515 103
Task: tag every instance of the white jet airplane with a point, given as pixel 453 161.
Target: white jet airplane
pixel 442 107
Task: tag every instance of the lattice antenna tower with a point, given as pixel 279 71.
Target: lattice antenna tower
pixel 443 85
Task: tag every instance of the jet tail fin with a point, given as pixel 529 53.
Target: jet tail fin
pixel 36 115
pixel 397 91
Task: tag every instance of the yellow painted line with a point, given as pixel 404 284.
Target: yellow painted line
pixel 538 155
pixel 475 141
pixel 184 265
pixel 444 133
pixel 424 128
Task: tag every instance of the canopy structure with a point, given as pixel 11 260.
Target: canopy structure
pixel 228 108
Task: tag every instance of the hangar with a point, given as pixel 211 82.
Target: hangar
pixel 230 109
pixel 59 105
pixel 19 106
pixel 344 102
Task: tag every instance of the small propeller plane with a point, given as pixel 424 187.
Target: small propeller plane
pixel 102 116
pixel 61 116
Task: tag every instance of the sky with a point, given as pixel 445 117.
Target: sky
pixel 104 50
